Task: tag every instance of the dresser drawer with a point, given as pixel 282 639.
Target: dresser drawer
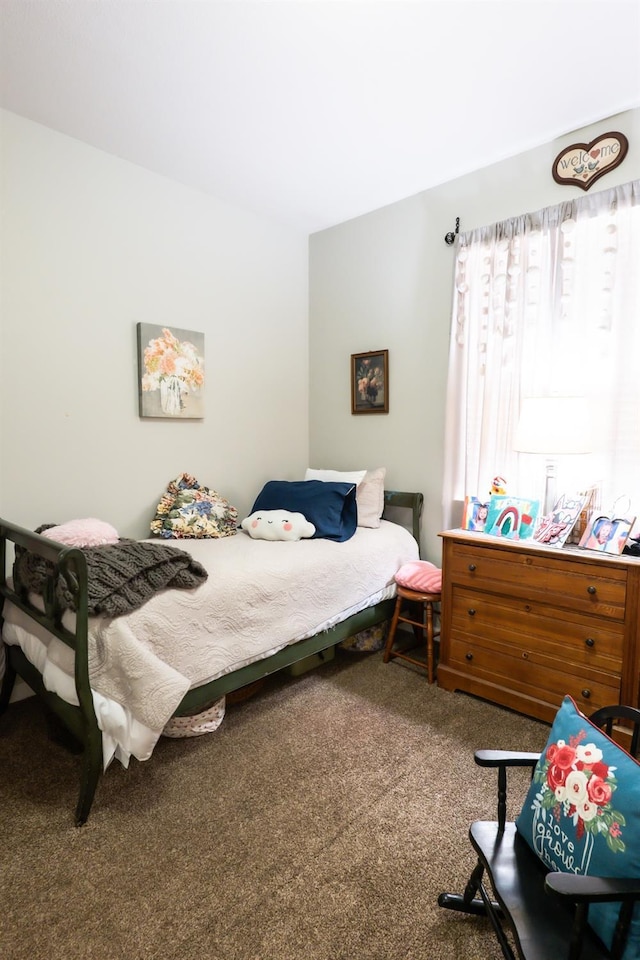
pixel 570 584
pixel 523 625
pixel 532 673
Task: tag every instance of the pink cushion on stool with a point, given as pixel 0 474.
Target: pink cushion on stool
pixel 420 575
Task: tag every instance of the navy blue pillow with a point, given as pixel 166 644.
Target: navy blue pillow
pixel 330 507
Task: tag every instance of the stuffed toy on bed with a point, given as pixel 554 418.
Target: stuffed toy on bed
pixel 277 525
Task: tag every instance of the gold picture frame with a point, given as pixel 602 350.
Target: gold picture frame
pixel 370 382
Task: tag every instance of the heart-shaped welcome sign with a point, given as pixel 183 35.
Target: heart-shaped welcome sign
pixel 583 163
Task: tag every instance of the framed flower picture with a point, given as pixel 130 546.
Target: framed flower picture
pixel 170 372
pixel 370 382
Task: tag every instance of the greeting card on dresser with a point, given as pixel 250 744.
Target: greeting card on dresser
pixel 555 527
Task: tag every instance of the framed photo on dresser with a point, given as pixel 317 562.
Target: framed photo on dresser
pixel 607 534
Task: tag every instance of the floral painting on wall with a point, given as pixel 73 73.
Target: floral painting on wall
pixel 370 382
pixel 170 372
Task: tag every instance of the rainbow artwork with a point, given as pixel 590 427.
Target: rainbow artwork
pixel 513 518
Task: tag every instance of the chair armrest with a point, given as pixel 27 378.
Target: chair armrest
pixel 580 889
pixel 583 891
pixel 505 758
pixel 502 760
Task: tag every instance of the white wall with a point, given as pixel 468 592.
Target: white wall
pixel 91 245
pixel 384 281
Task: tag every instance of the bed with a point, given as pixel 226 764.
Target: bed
pixel 116 683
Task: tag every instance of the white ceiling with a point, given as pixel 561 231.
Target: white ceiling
pixel 314 112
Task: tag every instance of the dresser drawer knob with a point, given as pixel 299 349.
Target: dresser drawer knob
pixel 591 590
pixel 471 612
pixel 468 656
pixel 590 642
pixel 586 694
pixel 472 567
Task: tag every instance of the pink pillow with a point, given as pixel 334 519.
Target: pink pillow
pixel 83 533
pixel 420 575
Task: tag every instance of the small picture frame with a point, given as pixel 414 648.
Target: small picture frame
pixel 370 382
pixel 607 534
pixel 474 514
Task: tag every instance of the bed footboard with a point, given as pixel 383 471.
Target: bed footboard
pixel 69 564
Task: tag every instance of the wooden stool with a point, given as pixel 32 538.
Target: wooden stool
pixel 423 629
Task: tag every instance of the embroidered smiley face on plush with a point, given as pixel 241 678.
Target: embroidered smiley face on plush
pixel 277 525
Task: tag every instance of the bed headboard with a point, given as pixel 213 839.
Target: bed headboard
pixel 409 501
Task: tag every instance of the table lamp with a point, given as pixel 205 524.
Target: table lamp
pixel 553 426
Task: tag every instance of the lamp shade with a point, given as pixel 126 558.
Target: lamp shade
pixel 553 425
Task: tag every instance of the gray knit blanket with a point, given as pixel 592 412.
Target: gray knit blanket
pixel 121 576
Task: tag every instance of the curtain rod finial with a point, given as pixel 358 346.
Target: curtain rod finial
pixel 451 237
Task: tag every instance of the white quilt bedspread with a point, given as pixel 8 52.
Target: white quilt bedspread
pixel 259 597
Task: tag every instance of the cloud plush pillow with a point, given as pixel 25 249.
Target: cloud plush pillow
pixel 277 525
pixel 330 507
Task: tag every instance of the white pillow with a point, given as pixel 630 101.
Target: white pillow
pixel 277 525
pixel 336 476
pixel 370 498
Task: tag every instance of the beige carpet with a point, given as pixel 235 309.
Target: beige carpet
pixel 319 823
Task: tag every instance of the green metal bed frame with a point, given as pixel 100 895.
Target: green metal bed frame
pixel 70 563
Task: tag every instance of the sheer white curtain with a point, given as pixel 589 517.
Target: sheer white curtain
pixel 546 304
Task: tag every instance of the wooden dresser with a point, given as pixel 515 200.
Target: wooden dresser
pixel 523 624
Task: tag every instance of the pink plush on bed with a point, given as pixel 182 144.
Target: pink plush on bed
pixel 83 533
pixel 420 575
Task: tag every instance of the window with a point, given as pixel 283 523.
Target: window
pixel 546 305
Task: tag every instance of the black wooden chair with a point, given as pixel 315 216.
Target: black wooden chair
pixel 537 914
